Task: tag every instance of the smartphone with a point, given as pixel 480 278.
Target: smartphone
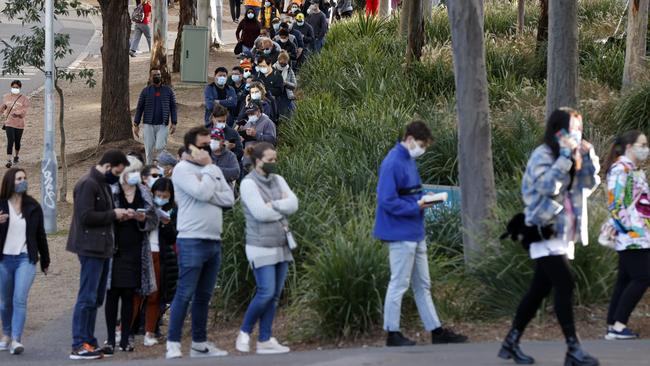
pixel 243 122
pixel 141 210
pixel 561 133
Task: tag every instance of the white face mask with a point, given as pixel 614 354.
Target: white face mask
pixel 253 118
pixel 220 125
pixel 417 151
pixel 247 74
pixel 15 91
pixel 576 135
pixel 263 70
pixel 214 145
pixel 256 96
pixel 640 152
pixel 250 15
pixel 133 178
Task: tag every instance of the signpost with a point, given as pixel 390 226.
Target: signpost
pixel 48 162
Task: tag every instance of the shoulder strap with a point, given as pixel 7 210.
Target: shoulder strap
pixel 12 106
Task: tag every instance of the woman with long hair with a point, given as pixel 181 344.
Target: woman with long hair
pixel 561 174
pixel 629 209
pixel 22 243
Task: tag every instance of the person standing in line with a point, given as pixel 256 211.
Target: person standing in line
pixel 150 174
pixel 202 193
pixel 259 127
pixel 14 108
pixel 141 27
pixel 629 210
pixel 219 93
pixel 166 163
pixel 318 21
pixel 156 106
pixel 560 175
pixel 253 5
pixel 400 224
pixel 91 238
pixel 231 136
pixel 268 202
pixel 22 242
pixel 225 159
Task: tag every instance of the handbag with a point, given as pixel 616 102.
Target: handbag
pixel 239 48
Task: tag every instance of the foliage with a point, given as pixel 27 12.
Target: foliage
pixel 630 111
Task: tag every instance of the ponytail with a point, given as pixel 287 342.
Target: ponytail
pixel 619 146
pixel 256 152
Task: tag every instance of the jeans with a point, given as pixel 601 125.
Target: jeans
pixel 155 140
pixel 632 282
pixel 138 31
pixel 92 290
pixel 16 278
pixel 270 282
pixel 318 44
pixel 198 267
pixel 408 260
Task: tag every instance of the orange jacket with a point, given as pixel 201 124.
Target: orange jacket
pixel 255 3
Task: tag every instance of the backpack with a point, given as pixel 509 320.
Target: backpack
pixel 138 14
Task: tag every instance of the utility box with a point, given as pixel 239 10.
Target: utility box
pixel 194 58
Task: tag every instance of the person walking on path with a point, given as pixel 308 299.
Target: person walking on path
pixel 629 209
pixel 141 19
pixel 268 202
pixel 235 10
pixel 560 175
pixel 91 238
pixel 22 243
pixel 248 30
pixel 400 224
pixel 14 109
pixel 201 193
pixel 156 106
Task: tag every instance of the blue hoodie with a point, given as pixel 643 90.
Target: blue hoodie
pixel 399 217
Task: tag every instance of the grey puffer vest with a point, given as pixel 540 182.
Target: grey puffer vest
pixel 265 234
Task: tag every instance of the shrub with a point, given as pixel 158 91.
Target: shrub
pixel 630 111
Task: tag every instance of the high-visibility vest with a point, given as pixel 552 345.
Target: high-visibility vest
pixel 255 3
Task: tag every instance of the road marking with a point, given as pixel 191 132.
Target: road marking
pixel 16 78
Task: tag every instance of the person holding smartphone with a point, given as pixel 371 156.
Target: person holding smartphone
pixel 132 263
pixel 560 175
pixel 400 224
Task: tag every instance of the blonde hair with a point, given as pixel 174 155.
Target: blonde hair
pixel 284 55
pixel 135 165
pixel 266 42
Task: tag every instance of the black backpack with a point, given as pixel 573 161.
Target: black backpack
pixel 138 14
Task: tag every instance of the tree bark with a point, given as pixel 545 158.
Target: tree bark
pixel 384 8
pixel 562 61
pixel 159 49
pixel 187 16
pixel 115 122
pixel 63 188
pixel 404 18
pixel 542 26
pixel 635 49
pixel 427 9
pixel 521 16
pixel 478 194
pixel 415 31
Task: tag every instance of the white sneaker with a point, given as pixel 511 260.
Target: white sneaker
pixel 16 348
pixel 150 341
pixel 206 349
pixel 271 347
pixel 118 336
pixel 173 350
pixel 4 343
pixel 243 343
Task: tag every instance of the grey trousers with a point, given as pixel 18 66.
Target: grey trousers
pixel 155 140
pixel 138 31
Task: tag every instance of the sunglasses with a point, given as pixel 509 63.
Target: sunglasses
pixel 155 175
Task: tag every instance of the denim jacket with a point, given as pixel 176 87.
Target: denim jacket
pixel 545 188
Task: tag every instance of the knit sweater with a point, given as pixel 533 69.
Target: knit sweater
pixel 318 22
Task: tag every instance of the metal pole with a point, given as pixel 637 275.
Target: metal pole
pixel 48 163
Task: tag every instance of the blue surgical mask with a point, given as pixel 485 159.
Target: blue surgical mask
pixel 276 27
pixel 21 187
pixel 221 80
pixel 159 201
pixel 267 51
pixel 253 118
pixel 133 178
pixel 235 78
pixel 250 15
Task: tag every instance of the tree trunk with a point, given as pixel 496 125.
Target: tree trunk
pixel 115 121
pixel 478 194
pixel 415 31
pixel 404 18
pixel 187 16
pixel 159 49
pixel 63 188
pixel 542 26
pixel 427 9
pixel 562 61
pixel 384 8
pixel 635 49
pixel 216 19
pixel 521 16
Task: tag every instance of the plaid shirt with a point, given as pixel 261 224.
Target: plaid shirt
pixel 545 189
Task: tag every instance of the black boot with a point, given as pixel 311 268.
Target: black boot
pixel 396 339
pixel 510 349
pixel 575 356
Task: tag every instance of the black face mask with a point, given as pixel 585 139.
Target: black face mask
pixel 157 80
pixel 111 178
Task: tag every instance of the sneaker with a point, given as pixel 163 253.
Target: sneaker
pixel 4 343
pixel 16 160
pixel 397 339
pixel 626 333
pixel 271 347
pixel 9 164
pixel 206 349
pixel 128 348
pixel 85 352
pixel 243 343
pixel 444 335
pixel 16 348
pixel 118 336
pixel 150 341
pixel 173 350
pixel 108 350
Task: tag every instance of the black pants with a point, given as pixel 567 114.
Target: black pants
pixel 14 135
pixel 113 296
pixel 235 9
pixel 633 279
pixel 551 272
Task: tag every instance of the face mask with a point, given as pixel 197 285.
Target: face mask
pixel 264 70
pixel 152 181
pixel 276 27
pixel 295 9
pixel 283 40
pixel 577 136
pixel 267 4
pixel 133 178
pixel 267 51
pixel 235 78
pixel 206 148
pixel 248 87
pixel 417 151
pixel 300 24
pixel 250 15
pixel 111 178
pixel 157 80
pixel 214 145
pixel 220 125
pixel 269 168
pixel 282 65
pixel 159 201
pixel 247 74
pixel 256 96
pixel 640 153
pixel 253 118
pixel 21 187
pixel 221 80
pixel 15 91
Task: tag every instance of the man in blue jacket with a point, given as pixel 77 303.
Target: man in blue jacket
pixel 156 106
pixel 400 224
pixel 219 92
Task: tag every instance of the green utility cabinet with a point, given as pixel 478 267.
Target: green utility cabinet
pixel 194 59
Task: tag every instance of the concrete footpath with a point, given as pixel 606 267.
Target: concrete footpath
pixel 623 353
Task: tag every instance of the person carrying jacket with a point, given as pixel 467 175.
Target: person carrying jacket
pixel 219 92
